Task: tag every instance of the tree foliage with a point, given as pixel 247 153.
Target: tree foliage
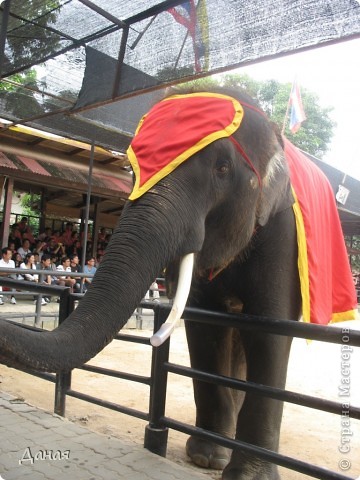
pixel 316 131
pixel 353 243
pixel 43 14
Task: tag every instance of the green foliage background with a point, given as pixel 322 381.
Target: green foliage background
pixel 316 131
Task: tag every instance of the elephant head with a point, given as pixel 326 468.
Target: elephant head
pixel 210 205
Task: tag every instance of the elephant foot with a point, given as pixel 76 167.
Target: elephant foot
pixel 251 472
pixel 206 454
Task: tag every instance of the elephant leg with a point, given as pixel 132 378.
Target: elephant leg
pixel 216 350
pixel 260 418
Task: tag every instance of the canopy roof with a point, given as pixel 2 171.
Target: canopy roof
pixel 87 70
pixel 94 67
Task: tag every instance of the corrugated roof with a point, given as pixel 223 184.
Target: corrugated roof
pixel 47 172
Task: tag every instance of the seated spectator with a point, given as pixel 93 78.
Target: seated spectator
pixel 53 263
pixel 56 236
pixel 15 236
pixel 39 248
pixel 66 237
pixel 54 249
pixel 66 280
pixel 25 249
pixel 17 260
pixel 29 264
pixel 45 264
pixel 45 235
pixel 99 258
pixel 75 249
pixel 36 259
pixel 100 249
pixel 75 267
pixel 71 248
pixel 25 230
pixel 7 262
pixel 102 235
pixel 12 246
pixel 48 262
pixel 89 268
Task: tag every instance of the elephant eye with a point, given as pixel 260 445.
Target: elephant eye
pixel 222 167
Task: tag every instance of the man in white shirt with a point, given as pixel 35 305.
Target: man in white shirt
pixel 25 249
pixel 7 262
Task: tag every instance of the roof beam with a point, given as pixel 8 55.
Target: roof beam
pixel 104 13
pixel 9 146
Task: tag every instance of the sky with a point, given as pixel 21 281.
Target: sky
pixel 333 73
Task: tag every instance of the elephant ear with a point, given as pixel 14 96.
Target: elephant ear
pixel 276 194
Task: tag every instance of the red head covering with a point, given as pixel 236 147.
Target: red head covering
pixel 177 128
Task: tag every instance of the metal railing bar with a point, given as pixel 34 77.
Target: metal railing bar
pixel 289 328
pixel 10 315
pixel 267 455
pixel 43 375
pixel 112 406
pixel 116 374
pixel 132 338
pixel 264 390
pixel 50 377
pixel 53 273
pixel 55 290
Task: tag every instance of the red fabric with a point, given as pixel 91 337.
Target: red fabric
pixel 174 128
pixel 331 286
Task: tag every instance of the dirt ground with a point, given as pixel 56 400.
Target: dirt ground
pixel 310 435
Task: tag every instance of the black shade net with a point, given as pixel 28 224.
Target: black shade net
pixel 90 70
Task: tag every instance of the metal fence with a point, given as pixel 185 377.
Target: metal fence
pixel 156 431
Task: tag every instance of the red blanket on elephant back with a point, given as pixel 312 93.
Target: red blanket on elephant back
pixel 327 288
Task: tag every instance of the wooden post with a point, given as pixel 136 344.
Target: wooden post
pixel 8 193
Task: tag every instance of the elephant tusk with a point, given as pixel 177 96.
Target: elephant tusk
pixel 182 293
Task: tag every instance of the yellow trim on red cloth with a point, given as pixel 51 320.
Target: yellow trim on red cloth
pixel 303 265
pixel 327 288
pixel 175 129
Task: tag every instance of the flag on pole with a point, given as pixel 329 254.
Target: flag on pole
pixel 297 114
pixel 194 19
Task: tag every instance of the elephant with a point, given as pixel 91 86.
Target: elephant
pixel 228 203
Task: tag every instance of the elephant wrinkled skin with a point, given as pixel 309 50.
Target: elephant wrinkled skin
pixel 244 239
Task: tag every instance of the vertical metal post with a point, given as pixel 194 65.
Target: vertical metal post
pixel 3 32
pixel 120 61
pixel 156 435
pixel 87 211
pixel 63 379
pixel 5 228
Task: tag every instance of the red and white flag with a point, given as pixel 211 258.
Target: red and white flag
pixel 297 114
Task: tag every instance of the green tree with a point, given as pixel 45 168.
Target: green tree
pixel 30 204
pixel 353 243
pixel 23 44
pixel 26 43
pixel 316 131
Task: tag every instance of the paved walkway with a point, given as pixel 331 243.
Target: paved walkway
pixel 36 445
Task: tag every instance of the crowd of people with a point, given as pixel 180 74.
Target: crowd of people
pixel 51 250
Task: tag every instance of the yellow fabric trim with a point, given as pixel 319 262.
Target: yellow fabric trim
pixel 135 166
pixel 344 316
pixel 204 142
pixel 303 264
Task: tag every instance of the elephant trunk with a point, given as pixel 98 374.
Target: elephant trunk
pixel 130 265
